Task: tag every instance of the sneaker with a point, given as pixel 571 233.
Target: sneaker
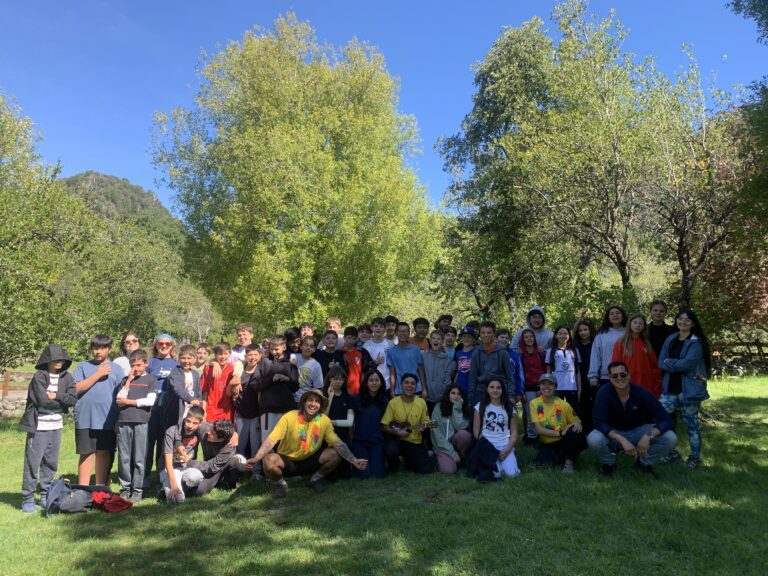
pixel 647 469
pixel 30 507
pixel 125 494
pixel 135 498
pixel 671 458
pixel 568 468
pixel 280 492
pixel 318 486
pixel 692 462
pixel 607 470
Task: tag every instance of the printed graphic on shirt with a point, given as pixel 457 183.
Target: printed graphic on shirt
pixel 495 422
pixel 189 443
pixel 305 373
pixel 462 364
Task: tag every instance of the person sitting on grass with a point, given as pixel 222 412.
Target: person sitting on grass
pixel 558 427
pixel 495 429
pixel 451 438
pixel 301 435
pixel 629 418
pixel 184 476
pixel 403 422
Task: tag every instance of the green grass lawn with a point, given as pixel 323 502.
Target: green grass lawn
pixel 706 521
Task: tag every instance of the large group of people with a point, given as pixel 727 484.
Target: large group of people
pixel 366 400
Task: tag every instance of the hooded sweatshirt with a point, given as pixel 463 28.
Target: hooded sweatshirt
pixel 602 353
pixel 543 334
pixel 486 366
pixel 38 403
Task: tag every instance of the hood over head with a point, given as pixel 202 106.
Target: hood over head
pixel 538 309
pixel 53 353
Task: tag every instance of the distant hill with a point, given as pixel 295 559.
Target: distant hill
pixel 118 199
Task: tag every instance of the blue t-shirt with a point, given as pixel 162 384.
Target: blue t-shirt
pixel 96 408
pixel 404 360
pixel 161 369
pixel 463 360
pixel 367 421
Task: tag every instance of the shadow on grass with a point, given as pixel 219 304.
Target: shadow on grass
pixel 689 522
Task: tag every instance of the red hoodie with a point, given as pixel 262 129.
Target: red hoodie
pixel 643 364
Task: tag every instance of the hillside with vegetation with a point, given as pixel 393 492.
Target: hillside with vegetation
pixel 118 199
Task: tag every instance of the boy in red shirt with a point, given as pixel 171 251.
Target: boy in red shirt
pixel 358 361
pixel 217 390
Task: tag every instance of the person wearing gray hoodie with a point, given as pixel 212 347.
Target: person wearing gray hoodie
pixel 611 329
pixel 490 361
pixel 536 321
pixel 51 392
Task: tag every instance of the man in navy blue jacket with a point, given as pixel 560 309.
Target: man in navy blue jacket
pixel 629 419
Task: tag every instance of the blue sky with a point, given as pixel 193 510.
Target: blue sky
pixel 92 74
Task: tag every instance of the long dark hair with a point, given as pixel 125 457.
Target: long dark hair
pixel 555 346
pixel 366 399
pixel 446 406
pixel 334 371
pixel 505 403
pixel 606 324
pixel 590 326
pixel 123 351
pixel 699 333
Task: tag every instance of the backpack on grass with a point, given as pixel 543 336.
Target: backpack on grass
pixel 67 498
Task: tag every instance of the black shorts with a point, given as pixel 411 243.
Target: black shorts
pixel 88 440
pixel 301 467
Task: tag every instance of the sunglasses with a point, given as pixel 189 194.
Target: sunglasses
pixel 131 341
pixel 619 376
pixel 165 344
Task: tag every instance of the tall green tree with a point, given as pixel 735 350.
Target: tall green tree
pixel 696 176
pixel 550 142
pixel 291 175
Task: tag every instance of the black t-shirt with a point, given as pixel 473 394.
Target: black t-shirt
pixel 324 358
pixel 658 335
pixel 675 383
pixel 338 411
pixel 247 405
pixel 139 389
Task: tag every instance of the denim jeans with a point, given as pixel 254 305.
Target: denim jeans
pixel 606 447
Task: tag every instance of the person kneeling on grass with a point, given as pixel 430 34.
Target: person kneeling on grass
pixel 184 476
pixel 558 427
pixel 629 419
pixel 301 434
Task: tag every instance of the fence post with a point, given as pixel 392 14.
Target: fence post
pixel 6 383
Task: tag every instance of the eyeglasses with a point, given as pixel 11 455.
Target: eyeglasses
pixel 131 341
pixel 619 376
pixel 164 344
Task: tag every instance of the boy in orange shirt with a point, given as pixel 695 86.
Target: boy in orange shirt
pixel 218 389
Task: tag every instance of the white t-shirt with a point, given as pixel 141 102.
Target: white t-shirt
pixel 376 348
pixel 564 368
pixel 495 426
pixel 51 421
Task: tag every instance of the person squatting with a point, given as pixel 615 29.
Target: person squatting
pixel 367 400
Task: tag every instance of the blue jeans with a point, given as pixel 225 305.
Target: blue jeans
pixel 690 414
pixel 606 447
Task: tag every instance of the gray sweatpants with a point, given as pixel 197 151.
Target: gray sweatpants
pixel 131 456
pixel 40 452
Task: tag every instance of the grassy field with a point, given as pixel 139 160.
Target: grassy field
pixel 706 521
